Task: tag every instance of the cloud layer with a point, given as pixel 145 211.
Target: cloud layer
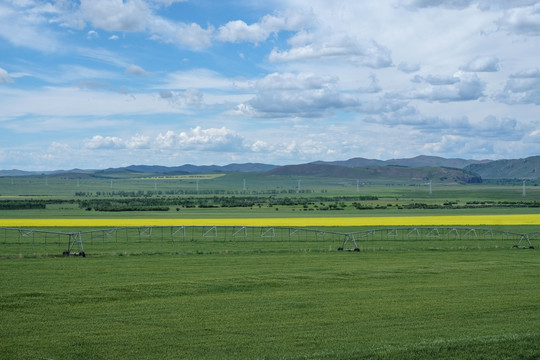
pixel 107 82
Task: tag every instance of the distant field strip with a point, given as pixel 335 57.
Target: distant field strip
pixel 529 219
pixel 183 177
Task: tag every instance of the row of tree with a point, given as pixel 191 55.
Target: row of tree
pixel 307 203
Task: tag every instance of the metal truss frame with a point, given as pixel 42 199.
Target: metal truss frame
pixel 350 240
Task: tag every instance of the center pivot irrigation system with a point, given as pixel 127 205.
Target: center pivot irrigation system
pixel 352 241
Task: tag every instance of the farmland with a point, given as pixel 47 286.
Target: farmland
pixel 292 305
pixel 143 294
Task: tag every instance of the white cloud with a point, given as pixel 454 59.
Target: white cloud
pixel 215 139
pixel 297 78
pixel 408 68
pixel 296 95
pixel 497 128
pixel 191 35
pixel 5 77
pixel 461 4
pixel 104 142
pixel 342 47
pixel 482 64
pixel 437 79
pixel 449 4
pixel 373 87
pixel 25 24
pixel 114 15
pixel 188 98
pixel 73 101
pixel 92 34
pixel 522 20
pixel 137 141
pixel 140 16
pixel 167 2
pixel 136 70
pixel 459 87
pixel 238 30
pixel 522 88
pixel 211 139
pixel 201 79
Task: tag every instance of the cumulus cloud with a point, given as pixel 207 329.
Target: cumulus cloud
pixel 238 30
pixel 309 47
pixel 167 2
pixel 455 144
pixel 436 79
pixel 497 128
pixel 458 87
pixel 408 68
pixel 112 15
pixel 137 141
pixel 296 95
pixel 191 35
pixel 482 64
pixel 211 139
pixel 504 4
pixel 522 20
pixel 140 16
pixel 522 88
pixel 450 4
pixel 136 70
pixel 104 142
pixel 462 4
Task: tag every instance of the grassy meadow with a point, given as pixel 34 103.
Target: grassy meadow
pixel 292 296
pixel 479 304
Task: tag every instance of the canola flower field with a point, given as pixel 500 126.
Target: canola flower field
pixel 448 220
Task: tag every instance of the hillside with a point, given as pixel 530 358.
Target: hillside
pixel 440 174
pixel 528 168
pixel 418 161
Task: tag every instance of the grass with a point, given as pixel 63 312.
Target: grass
pixel 411 304
pixel 143 297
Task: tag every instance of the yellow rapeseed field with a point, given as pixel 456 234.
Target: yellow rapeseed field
pixel 529 219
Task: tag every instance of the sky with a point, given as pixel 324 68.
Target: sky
pixel 94 84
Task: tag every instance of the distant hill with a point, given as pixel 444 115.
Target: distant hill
pixel 354 162
pixel 138 170
pixel 527 168
pixel 431 167
pixel 16 172
pixel 439 174
pixel 201 169
pixel 418 161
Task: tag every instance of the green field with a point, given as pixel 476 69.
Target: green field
pixel 479 304
pixel 293 296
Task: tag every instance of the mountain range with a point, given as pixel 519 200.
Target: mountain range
pixel 422 166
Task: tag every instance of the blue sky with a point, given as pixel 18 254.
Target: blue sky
pixel 106 83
